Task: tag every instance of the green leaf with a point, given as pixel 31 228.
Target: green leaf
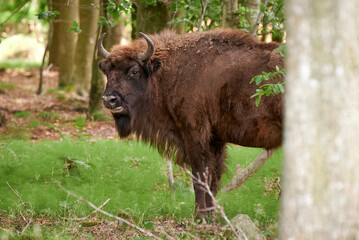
pixel 149 225
pixel 75 24
pixel 276 89
pixel 263 8
pixel 258 79
pixel 282 89
pixel 258 100
pixel 268 91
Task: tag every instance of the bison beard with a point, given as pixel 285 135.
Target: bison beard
pixel 189 95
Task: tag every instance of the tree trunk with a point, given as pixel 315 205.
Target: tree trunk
pixel 321 191
pixel 229 16
pixel 56 5
pixel 97 87
pixel 151 18
pixel 67 45
pixel 85 46
pixel 253 5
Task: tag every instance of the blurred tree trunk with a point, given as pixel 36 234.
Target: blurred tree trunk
pixel 114 35
pixel 229 14
pixel 253 5
pixel 151 18
pixel 56 5
pixel 97 86
pixel 97 77
pixel 67 43
pixel 85 46
pixel 321 191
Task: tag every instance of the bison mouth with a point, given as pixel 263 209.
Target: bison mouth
pixel 117 110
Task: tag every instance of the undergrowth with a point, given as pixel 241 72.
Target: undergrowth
pixel 130 173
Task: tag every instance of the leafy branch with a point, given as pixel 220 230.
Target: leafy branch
pixel 268 89
pixel 75 27
pixel 49 15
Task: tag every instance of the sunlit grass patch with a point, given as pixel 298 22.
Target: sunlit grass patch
pixel 130 173
pixel 20 51
pixel 5 85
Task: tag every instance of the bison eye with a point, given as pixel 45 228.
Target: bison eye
pixel 135 72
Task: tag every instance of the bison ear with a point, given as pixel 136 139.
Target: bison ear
pixel 103 66
pixel 156 64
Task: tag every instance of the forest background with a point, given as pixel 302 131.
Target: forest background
pixel 51 90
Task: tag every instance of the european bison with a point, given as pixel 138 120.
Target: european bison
pixel 189 95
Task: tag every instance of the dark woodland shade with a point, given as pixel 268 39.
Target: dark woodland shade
pixel 192 96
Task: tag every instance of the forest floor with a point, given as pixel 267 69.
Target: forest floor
pixel 50 115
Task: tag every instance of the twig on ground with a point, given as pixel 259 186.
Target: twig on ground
pixel 93 212
pixel 242 175
pixel 18 196
pixel 161 230
pixel 277 180
pixel 25 216
pixel 108 214
pixel 27 225
pixel 215 202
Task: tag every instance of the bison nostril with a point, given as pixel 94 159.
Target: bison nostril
pixel 110 99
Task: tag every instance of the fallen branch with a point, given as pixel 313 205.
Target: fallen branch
pixel 108 214
pixel 215 202
pixel 242 175
pixel 93 212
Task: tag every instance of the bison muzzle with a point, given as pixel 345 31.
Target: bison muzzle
pixel 189 95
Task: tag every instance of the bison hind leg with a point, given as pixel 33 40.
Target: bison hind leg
pixel 209 174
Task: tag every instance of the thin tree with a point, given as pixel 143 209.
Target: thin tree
pixel 321 184
pixel 229 14
pixel 68 15
pixel 89 14
pixel 151 18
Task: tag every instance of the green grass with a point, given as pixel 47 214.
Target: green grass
pixel 19 64
pixel 132 174
pixel 4 85
pixel 21 114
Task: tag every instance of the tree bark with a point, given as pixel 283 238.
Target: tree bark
pixel 56 5
pixel 84 50
pixel 259 19
pixel 321 180
pixel 97 77
pixel 67 45
pixel 151 18
pixel 229 17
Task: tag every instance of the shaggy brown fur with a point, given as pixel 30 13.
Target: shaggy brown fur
pixel 193 96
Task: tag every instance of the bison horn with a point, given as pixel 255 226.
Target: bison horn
pixel 102 51
pixel 150 48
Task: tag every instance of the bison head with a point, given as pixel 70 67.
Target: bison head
pixel 128 71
